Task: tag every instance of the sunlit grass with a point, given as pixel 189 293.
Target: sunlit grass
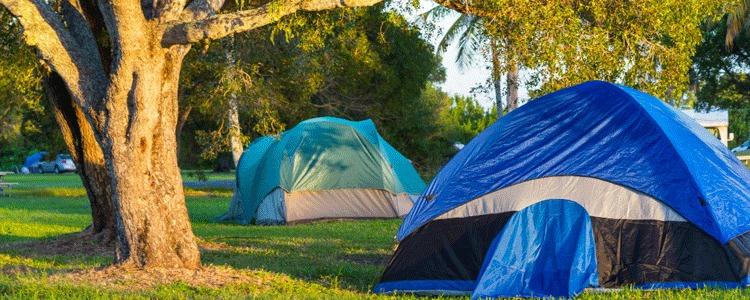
pixel 328 260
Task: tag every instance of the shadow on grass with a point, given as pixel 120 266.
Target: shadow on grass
pixel 61 254
pixel 38 217
pixel 349 254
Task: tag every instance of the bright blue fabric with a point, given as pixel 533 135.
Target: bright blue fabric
pixel 606 131
pixel 545 250
pixel 453 287
pixel 34 158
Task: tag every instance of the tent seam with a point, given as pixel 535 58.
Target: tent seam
pixel 620 89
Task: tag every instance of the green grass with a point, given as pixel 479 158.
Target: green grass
pixel 194 175
pixel 330 260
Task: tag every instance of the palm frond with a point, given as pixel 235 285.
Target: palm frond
pixel 470 42
pixel 436 13
pixel 738 20
pixel 459 29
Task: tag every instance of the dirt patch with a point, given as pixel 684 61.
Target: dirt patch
pixel 120 278
pixel 15 270
pixel 76 244
pixel 84 244
pixel 127 279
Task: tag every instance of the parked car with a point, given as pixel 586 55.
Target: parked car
pixel 742 148
pixel 62 163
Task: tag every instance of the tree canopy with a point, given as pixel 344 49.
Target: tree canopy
pixel 721 76
pixel 645 44
pixel 353 68
pixel 26 121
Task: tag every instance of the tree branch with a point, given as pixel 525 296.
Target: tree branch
pixel 219 26
pixel 201 9
pixel 468 7
pixel 79 27
pixel 125 22
pixel 168 10
pixel 44 30
pixel 127 28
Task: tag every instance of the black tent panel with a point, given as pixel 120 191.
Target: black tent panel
pixel 629 252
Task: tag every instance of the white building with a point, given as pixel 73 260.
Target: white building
pixel 716 121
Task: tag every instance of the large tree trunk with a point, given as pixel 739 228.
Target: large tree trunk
pixel 497 77
pixel 512 78
pixel 83 147
pixel 152 224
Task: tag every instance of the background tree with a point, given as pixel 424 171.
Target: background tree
pixel 721 74
pixel 648 44
pixel 475 43
pixel 464 119
pixel 26 123
pixel 343 63
pixel 738 20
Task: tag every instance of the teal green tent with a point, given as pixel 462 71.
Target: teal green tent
pixel 323 168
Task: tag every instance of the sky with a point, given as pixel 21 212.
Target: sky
pixel 460 81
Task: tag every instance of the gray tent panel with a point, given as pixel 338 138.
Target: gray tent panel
pixel 271 210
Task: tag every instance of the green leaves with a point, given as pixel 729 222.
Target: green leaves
pixel 20 83
pixel 721 76
pixel 738 20
pixel 352 63
pixel 464 119
pixel 646 44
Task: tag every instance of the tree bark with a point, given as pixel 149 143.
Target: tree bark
pixel 233 114
pixel 512 82
pixel 219 26
pixel 83 147
pixel 497 77
pixel 235 131
pixel 151 219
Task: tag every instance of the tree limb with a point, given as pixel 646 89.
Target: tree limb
pixel 74 16
pixel 125 22
pixel 201 9
pixel 216 27
pixel 44 30
pixel 168 10
pixel 468 7
pixel 127 28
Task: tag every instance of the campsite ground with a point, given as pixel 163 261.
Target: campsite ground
pixel 322 260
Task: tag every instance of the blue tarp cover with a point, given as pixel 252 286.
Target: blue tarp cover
pixel 34 158
pixel 606 131
pixel 546 249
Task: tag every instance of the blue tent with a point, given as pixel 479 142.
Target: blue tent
pixel 323 168
pixel 668 203
pixel 34 158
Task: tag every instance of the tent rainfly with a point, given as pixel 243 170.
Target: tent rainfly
pixel 596 185
pixel 323 168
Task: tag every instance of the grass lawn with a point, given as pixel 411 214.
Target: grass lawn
pixel 331 260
